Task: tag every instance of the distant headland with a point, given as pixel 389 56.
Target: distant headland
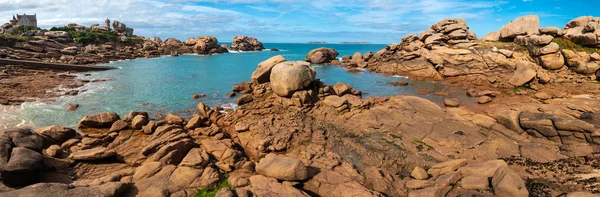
pixel 355 42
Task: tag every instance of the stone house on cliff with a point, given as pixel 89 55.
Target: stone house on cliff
pixel 29 20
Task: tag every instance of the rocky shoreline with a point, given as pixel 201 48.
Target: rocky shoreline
pixel 535 130
pixel 56 46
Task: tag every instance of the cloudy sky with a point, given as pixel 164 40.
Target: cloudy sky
pixel 377 21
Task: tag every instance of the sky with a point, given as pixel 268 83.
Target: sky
pixel 296 21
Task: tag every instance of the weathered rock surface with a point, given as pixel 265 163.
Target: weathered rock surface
pixel 282 168
pixel 525 25
pixel 102 120
pixel 245 43
pixel 262 74
pixel 289 77
pixel 321 55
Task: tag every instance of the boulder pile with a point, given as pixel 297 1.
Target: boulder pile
pixel 245 43
pixel 584 30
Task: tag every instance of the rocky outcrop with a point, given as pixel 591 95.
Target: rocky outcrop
pixel 289 77
pixel 584 30
pixel 525 25
pixel 21 160
pixel 245 43
pixel 262 74
pixel 321 55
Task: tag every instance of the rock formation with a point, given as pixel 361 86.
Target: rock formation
pixel 584 30
pixel 245 43
pixel 321 55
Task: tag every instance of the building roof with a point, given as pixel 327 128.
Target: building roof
pixel 30 17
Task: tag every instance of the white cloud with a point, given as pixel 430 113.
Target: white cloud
pixel 225 18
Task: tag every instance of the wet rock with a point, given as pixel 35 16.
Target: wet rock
pixel 508 183
pixel 484 99
pixel 321 55
pixel 398 83
pixel 230 95
pixel 282 168
pixel 198 96
pixel 139 121
pixel 58 134
pixel 72 107
pixel 289 77
pixel 102 120
pixel 93 154
pixel 262 74
pixel 451 102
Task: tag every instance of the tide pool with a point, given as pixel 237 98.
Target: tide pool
pixel 166 84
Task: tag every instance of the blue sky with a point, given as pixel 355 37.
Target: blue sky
pixel 376 21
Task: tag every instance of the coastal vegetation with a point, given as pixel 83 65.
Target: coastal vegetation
pixel 89 37
pixel 211 192
pixel 565 43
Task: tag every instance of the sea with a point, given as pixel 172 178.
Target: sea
pixel 166 84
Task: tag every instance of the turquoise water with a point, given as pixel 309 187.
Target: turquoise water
pixel 166 84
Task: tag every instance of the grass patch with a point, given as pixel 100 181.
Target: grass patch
pixel 9 40
pixel 422 145
pixel 394 136
pixel 211 192
pixel 565 43
pixel 519 88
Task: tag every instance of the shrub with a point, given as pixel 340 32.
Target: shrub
pixel 565 43
pixel 89 37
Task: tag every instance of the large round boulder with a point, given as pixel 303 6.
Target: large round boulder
pixel 321 55
pixel 525 25
pixel 289 77
pixel 263 72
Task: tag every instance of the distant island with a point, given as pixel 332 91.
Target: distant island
pixel 316 42
pixel 355 42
